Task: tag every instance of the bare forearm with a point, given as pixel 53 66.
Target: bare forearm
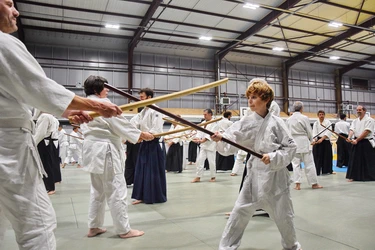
pixel 81 103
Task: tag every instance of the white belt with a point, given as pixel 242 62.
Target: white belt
pixel 17 123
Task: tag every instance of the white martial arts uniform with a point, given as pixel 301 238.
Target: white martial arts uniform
pixel 300 129
pixel 64 144
pixel 75 148
pixel 317 129
pixel 266 186
pixel 104 158
pixel 23 197
pixel 207 151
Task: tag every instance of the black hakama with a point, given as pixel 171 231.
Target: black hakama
pixel 323 157
pixel 130 162
pixel 47 154
pixel 224 162
pixel 343 151
pixel 362 162
pixel 192 151
pixel 150 184
pixel 174 158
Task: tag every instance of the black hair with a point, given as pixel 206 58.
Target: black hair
pixel 147 91
pixel 94 85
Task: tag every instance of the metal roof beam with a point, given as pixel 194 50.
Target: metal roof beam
pixel 257 27
pixel 348 33
pixel 348 7
pixel 150 12
pixel 356 64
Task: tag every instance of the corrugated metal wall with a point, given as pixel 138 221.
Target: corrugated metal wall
pixel 166 74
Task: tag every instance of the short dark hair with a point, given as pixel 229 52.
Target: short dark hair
pixel 342 116
pixel 321 111
pixel 209 111
pixel 94 85
pixel 147 91
pixel 227 114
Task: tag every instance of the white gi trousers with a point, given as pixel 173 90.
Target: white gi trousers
pixel 23 197
pixel 211 157
pixel 245 208
pixel 63 151
pixel 310 170
pixel 111 187
pixel 239 162
pixel 75 152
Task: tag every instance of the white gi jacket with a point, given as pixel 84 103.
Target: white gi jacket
pixel 267 135
pixel 317 128
pixel 24 85
pixel 223 124
pixel 46 125
pixel 358 126
pixel 177 137
pixel 149 120
pixel 63 138
pixel 342 127
pixel 300 129
pixel 209 145
pixel 103 135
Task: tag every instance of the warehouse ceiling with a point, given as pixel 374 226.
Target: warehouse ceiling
pixel 337 32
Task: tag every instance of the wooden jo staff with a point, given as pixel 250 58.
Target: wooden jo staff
pixel 193 125
pixel 343 137
pixel 187 128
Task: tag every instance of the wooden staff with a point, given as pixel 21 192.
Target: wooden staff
pixel 343 137
pixel 193 125
pixel 75 136
pixel 151 101
pixel 187 128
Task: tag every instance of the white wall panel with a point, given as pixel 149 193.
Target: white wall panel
pixel 75 76
pixel 147 81
pixel 120 79
pixel 161 81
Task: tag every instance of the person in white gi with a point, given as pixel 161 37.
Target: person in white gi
pixel 75 147
pixel 224 162
pixel 24 85
pixel 322 147
pixel 343 147
pixel 267 183
pixel 208 149
pixel 106 164
pixel 300 129
pixel 63 144
pixel 241 154
pixel 45 133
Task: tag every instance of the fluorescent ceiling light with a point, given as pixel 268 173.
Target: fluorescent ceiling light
pixel 112 26
pixel 335 24
pixel 334 57
pixel 206 38
pixel 251 6
pixel 278 49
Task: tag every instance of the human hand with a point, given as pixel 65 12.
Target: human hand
pixel 266 159
pixel 216 136
pixel 107 109
pixel 77 116
pixel 146 136
pixel 354 142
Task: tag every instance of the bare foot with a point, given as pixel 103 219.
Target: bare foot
pixel 79 166
pixel 132 233
pixel 63 165
pixel 190 163
pixel 298 186
pixel 228 214
pixel 350 180
pixel 333 173
pixel 51 192
pixel 213 179
pixel 196 179
pixel 316 186
pixel 233 174
pixel 137 202
pixel 96 231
